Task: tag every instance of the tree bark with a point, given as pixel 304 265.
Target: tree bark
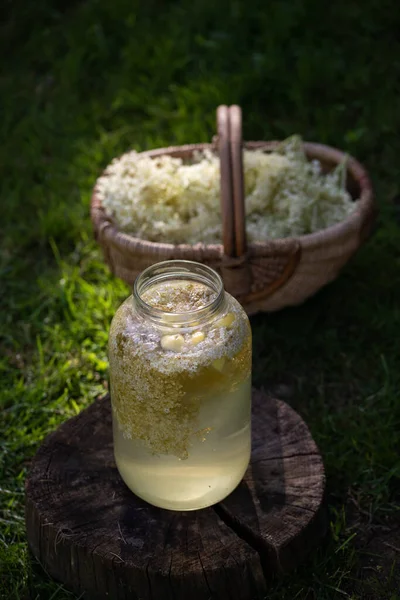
pixel 90 532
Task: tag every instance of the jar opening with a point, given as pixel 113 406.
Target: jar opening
pixel 172 276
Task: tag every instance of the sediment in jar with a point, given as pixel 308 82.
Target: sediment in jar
pixel 156 392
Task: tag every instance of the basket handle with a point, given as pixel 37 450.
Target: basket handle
pixel 223 129
pixel 239 213
pixel 229 126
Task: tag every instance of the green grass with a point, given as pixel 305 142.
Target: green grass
pixel 84 81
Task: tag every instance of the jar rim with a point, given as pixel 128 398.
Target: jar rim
pixel 185 270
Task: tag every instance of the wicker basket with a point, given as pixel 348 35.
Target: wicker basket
pixel 263 276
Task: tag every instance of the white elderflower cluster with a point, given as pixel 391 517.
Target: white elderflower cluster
pixel 165 199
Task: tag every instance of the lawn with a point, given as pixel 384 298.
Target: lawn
pixel 85 80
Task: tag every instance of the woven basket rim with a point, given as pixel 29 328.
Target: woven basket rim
pixel 365 205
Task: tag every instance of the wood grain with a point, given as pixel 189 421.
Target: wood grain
pixel 90 532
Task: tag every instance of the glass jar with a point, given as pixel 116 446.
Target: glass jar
pixel 180 374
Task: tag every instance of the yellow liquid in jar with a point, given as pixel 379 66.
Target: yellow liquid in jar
pixel 215 465
pixel 209 460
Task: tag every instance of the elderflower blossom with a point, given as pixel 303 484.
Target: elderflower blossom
pixel 169 200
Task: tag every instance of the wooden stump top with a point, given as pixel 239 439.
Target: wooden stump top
pixel 89 531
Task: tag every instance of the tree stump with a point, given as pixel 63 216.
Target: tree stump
pixel 90 532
